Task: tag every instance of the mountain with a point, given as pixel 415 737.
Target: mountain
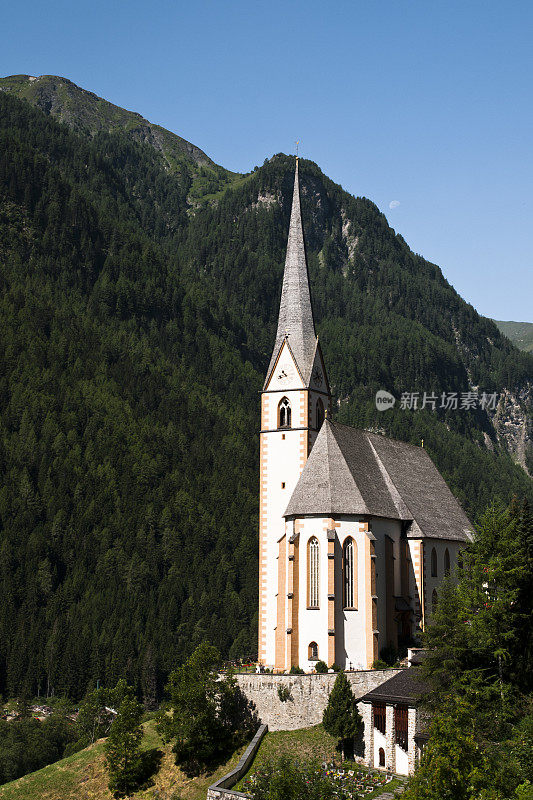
pixel 520 333
pixel 137 323
pixel 88 114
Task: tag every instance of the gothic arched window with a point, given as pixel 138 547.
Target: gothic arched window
pixel 312 652
pixel 284 413
pixel 434 600
pixel 313 572
pixel 349 573
pixel 381 756
pixel 446 562
pixel 319 413
pixel 434 570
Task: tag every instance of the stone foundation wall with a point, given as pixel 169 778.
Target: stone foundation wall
pixel 308 695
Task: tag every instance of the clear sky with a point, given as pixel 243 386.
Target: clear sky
pixel 424 107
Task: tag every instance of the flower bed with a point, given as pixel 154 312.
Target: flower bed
pixel 347 782
pixel 354 782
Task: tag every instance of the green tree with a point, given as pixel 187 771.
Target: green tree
pixel 193 722
pixel 122 747
pixel 453 766
pixel 95 714
pixel 341 717
pixel 207 716
pixel 479 646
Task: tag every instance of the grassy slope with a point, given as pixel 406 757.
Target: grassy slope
pixel 82 776
pixel 520 333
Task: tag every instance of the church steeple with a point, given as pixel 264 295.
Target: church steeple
pixel 295 320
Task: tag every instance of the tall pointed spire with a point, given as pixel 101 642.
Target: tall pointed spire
pixel 295 312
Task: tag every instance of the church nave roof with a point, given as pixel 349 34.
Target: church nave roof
pixel 351 471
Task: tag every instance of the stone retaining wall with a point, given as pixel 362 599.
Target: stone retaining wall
pixel 222 789
pixel 308 695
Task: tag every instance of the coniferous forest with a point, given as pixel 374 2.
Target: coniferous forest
pixel 138 314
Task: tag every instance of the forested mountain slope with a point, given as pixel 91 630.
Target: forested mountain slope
pixel 137 329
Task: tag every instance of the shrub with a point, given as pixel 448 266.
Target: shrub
pixel 321 667
pixel 208 717
pixel 285 780
pixel 389 654
pixel 296 671
pixel 284 693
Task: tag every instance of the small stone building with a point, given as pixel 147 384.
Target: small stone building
pixel 394 724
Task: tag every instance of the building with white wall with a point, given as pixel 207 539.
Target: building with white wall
pixel 356 530
pixel 395 729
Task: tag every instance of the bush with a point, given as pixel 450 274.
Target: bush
pixel 296 671
pixel 208 717
pixel 284 693
pixel 75 747
pixel 284 780
pixel 321 667
pixel 379 664
pixel 389 655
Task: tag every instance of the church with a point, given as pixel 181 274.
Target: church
pixel 356 530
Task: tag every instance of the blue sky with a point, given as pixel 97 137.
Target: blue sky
pixel 425 105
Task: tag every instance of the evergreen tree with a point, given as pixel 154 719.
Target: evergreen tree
pixel 122 748
pixel 341 717
pixel 453 766
pixel 478 639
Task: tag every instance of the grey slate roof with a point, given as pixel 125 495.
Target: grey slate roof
pixel 405 687
pixel 351 471
pixel 295 312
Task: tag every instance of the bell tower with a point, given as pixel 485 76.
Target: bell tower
pixel 294 402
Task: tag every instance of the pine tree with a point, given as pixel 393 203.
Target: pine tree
pixel 122 748
pixel 341 717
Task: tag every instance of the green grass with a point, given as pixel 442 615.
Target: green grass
pixel 520 333
pixel 306 744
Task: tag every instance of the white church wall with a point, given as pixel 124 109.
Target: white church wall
pixel 415 583
pixel 281 459
pixel 432 582
pixel 350 627
pixel 312 622
pixel 402 761
pixel 380 740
